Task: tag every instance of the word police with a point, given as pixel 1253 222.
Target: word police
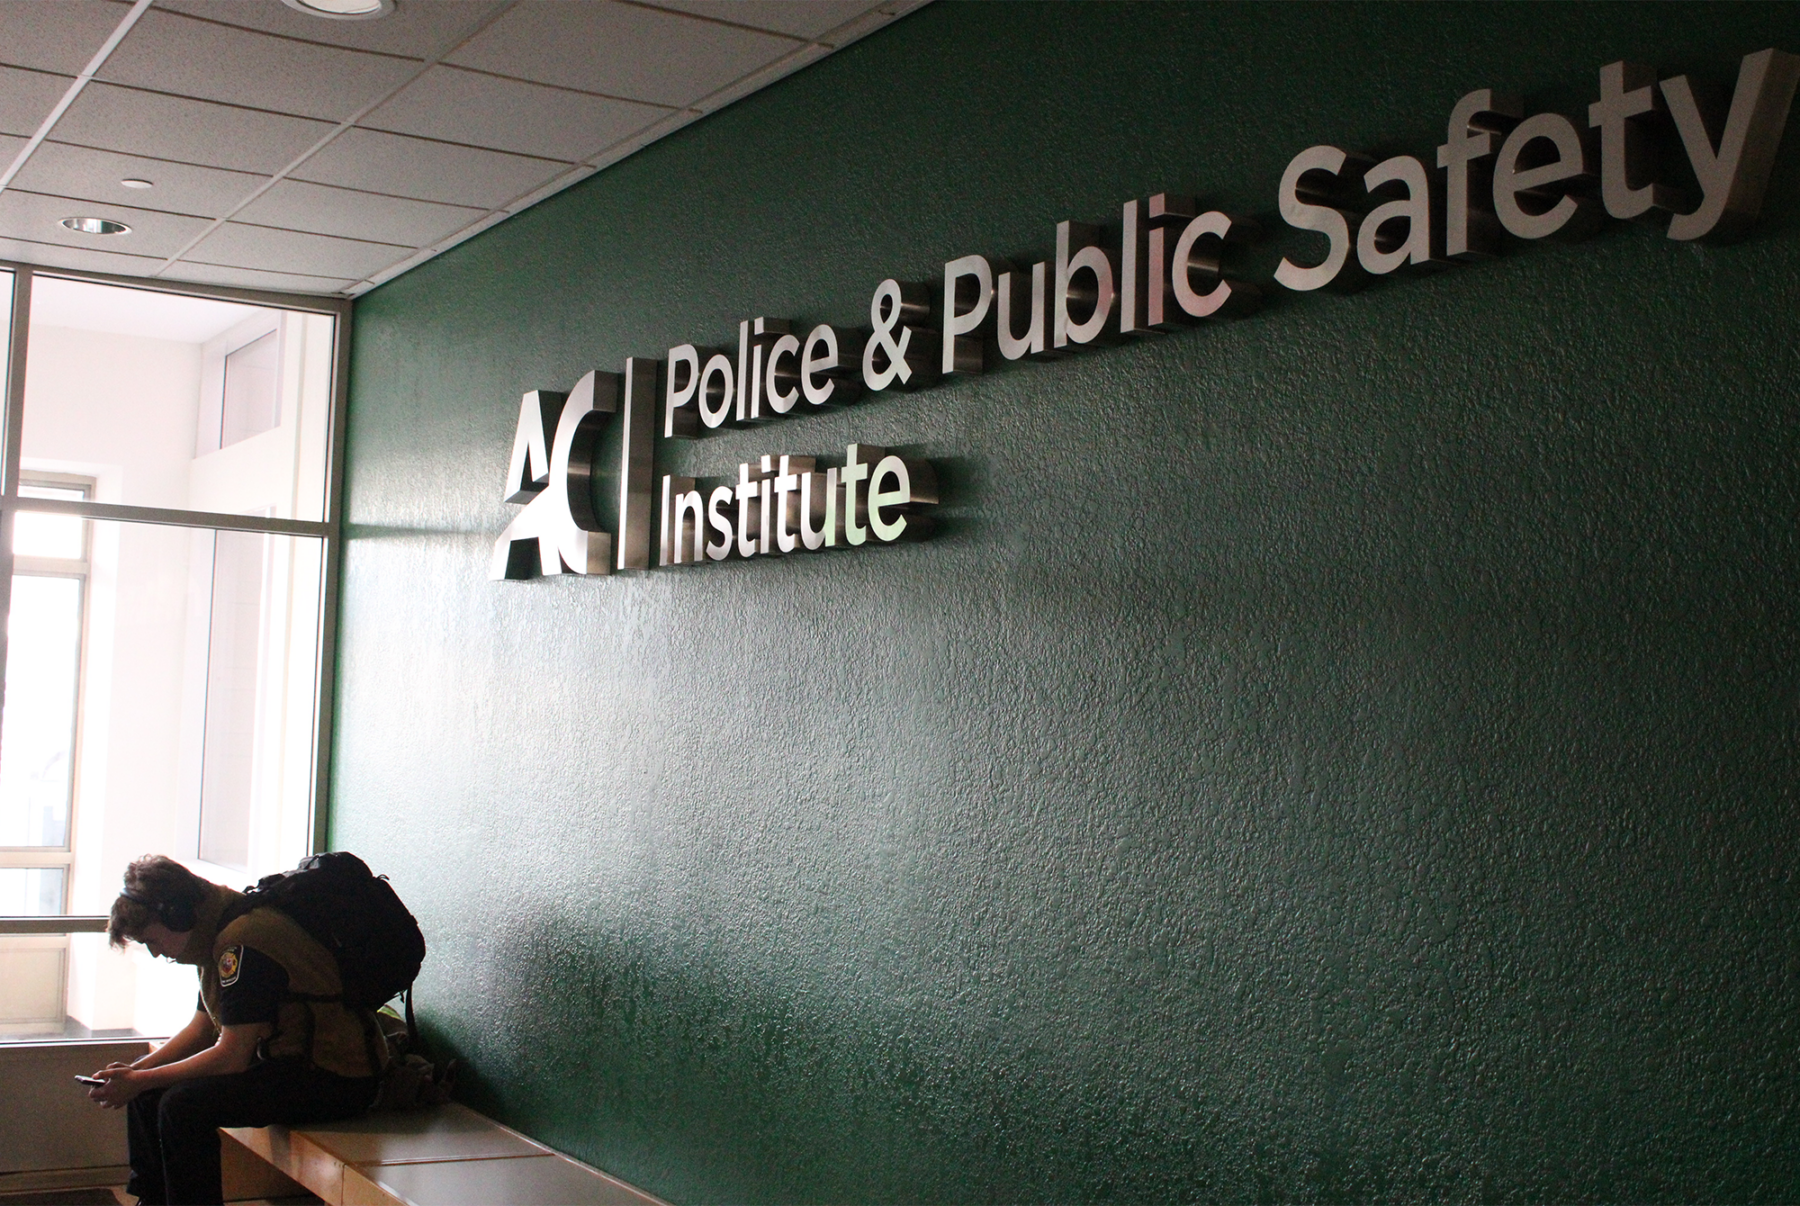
pixel 1498 173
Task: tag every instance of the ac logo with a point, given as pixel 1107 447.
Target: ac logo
pixel 558 532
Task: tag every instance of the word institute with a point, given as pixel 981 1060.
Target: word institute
pixel 1499 174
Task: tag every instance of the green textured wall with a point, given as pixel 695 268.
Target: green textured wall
pixel 1349 754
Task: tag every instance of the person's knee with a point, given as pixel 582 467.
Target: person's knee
pixel 184 1107
pixel 145 1105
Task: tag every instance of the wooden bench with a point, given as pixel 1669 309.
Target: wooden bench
pixel 446 1156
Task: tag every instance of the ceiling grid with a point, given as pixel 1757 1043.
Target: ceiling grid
pixel 293 152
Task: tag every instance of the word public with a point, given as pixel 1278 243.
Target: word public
pixel 1500 173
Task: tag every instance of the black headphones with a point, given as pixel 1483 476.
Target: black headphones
pixel 176 915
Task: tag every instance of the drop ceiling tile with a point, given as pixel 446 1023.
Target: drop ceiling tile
pixel 26 98
pixel 181 188
pixel 49 255
pixel 235 245
pixel 798 18
pixel 61 37
pixel 427 171
pixel 173 53
pixel 320 209
pixel 508 115
pixel 9 147
pixel 620 50
pixel 36 217
pixel 251 278
pixel 111 118
pixel 417 30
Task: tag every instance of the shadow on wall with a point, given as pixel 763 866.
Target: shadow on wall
pixel 1346 754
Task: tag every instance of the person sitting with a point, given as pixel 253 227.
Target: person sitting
pixel 270 1040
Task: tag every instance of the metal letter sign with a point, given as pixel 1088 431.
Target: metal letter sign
pixel 558 532
pixel 1501 174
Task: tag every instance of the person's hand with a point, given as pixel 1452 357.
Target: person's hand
pixel 115 1066
pixel 122 1084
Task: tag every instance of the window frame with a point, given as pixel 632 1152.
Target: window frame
pixel 215 366
pixel 328 530
pixel 63 856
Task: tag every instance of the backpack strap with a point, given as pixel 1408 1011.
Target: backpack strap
pixel 374 1045
pixel 236 909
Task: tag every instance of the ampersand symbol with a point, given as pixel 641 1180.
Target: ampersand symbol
pixel 889 305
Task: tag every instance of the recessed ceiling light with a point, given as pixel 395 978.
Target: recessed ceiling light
pixel 96 226
pixel 343 10
pixel 135 183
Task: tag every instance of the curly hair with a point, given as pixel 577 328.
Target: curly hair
pixel 153 884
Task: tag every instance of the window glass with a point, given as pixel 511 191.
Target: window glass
pixel 179 402
pixel 72 987
pixel 236 633
pixel 197 689
pixel 60 536
pixel 196 667
pixel 252 400
pixel 37 731
pixel 160 681
pixel 33 970
pixel 31 891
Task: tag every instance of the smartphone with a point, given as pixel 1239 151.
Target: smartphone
pixel 95 1081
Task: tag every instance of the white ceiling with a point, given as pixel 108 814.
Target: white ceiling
pixel 312 155
pixel 141 312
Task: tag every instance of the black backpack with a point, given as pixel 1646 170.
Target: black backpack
pixel 354 915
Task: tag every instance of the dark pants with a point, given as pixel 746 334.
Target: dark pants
pixel 174 1132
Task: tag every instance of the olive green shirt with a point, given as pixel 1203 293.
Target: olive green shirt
pixel 333 1036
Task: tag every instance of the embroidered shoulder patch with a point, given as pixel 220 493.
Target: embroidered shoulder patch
pixel 228 965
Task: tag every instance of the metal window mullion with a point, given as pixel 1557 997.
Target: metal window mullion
pixel 19 326
pixel 306 303
pixel 168 516
pixel 30 857
pixel 77 722
pixel 325 682
pixel 50 567
pixel 66 924
pixel 15 378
